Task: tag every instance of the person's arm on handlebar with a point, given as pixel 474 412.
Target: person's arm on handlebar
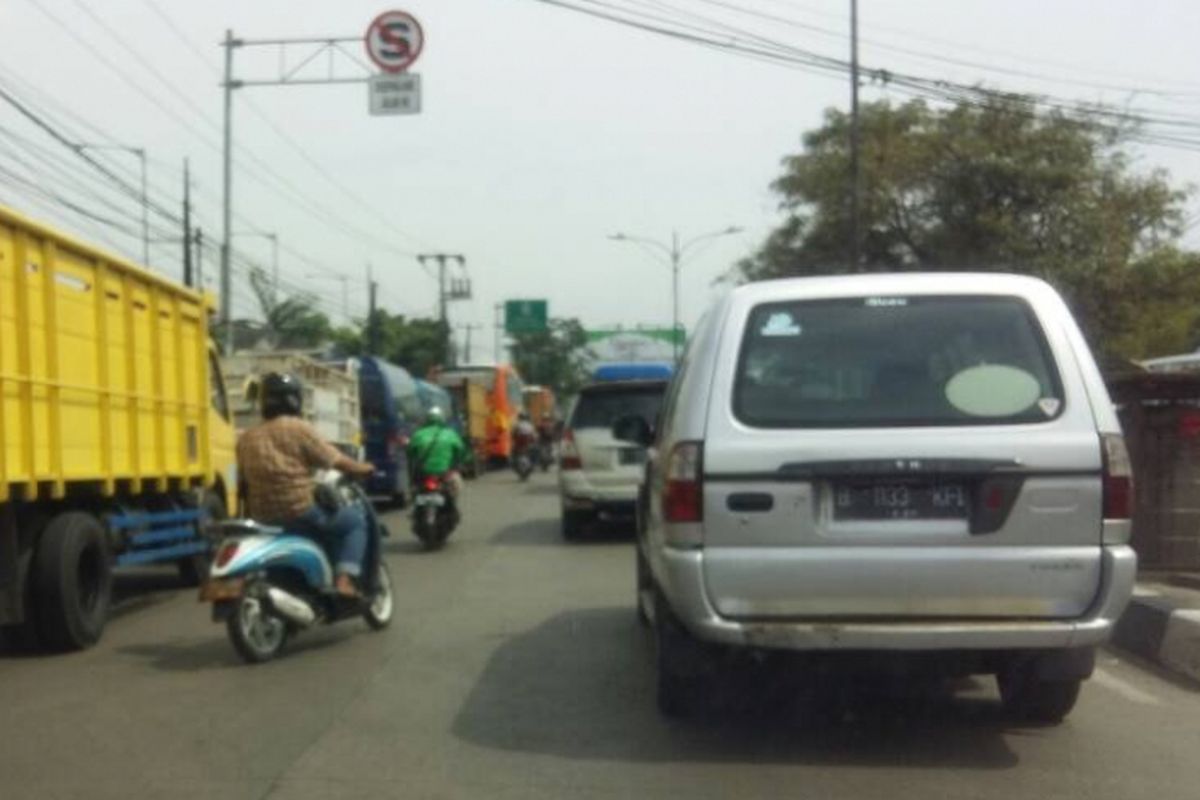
pixel 320 454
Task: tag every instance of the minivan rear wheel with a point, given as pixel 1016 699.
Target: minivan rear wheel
pixel 642 585
pixel 683 664
pixel 1032 699
pixel 572 524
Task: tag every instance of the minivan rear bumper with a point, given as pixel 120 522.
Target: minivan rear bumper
pixel 682 582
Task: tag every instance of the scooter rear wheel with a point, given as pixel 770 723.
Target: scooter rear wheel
pixel 379 613
pixel 257 634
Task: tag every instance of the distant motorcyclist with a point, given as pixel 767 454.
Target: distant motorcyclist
pixel 277 460
pixel 436 449
pixel 524 434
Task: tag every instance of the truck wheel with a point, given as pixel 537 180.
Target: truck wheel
pixel 1031 699
pixel 194 569
pixel 72 574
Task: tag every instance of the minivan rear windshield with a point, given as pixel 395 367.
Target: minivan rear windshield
pixel 895 361
pixel 600 409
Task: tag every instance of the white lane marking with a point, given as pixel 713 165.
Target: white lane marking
pixel 1145 591
pixel 1124 688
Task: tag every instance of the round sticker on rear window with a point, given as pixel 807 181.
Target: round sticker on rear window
pixel 993 390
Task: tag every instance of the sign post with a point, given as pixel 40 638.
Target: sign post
pixel 525 316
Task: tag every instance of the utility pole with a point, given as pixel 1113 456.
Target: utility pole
pixel 467 347
pixel 496 331
pixel 187 225
pixel 458 289
pixel 372 323
pixel 855 145
pixel 199 242
pixel 226 286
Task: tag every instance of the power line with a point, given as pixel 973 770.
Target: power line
pixel 724 37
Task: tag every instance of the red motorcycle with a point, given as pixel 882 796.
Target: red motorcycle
pixel 435 512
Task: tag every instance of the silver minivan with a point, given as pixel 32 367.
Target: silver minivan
pixel 912 462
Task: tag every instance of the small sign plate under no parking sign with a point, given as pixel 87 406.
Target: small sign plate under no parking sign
pixel 395 93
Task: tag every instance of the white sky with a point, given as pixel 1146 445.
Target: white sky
pixel 544 131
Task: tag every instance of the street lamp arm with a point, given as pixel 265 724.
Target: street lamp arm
pixel 704 237
pixel 624 237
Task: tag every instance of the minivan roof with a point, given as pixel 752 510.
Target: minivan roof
pixel 619 386
pixel 892 283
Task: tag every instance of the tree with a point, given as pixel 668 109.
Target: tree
pixel 291 322
pixel 997 186
pixel 418 344
pixel 554 357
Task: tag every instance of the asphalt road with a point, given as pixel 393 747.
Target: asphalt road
pixel 515 669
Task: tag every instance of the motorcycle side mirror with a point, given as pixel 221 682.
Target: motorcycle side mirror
pixel 634 429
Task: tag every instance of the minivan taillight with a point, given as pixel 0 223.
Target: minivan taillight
pixel 1118 478
pixel 569 452
pixel 683 494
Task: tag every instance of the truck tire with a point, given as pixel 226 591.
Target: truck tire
pixel 194 569
pixel 72 578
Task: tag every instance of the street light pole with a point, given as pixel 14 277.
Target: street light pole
pixel 140 153
pixel 855 147
pixel 676 259
pixel 226 286
pixel 675 253
pixel 274 239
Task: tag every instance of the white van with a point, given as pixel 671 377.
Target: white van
pixel 913 462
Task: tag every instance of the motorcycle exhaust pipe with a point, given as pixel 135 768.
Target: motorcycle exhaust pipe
pixel 291 608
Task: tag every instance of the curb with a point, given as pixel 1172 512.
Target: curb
pixel 1162 631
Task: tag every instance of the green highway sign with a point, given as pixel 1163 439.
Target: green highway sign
pixel 525 316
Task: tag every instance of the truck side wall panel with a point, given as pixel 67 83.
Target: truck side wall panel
pixel 103 368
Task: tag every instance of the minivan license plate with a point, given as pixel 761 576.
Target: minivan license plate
pixel 882 501
pixel 628 456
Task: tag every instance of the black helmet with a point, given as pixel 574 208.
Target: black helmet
pixel 280 395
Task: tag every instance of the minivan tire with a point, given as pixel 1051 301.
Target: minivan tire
pixel 642 584
pixel 682 664
pixel 1031 699
pixel 572 524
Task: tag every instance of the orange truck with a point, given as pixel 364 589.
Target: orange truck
pixel 539 401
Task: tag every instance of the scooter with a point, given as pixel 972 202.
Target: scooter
pixel 435 514
pixel 267 584
pixel 523 463
pixel 545 455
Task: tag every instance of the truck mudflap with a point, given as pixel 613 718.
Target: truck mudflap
pixel 12 593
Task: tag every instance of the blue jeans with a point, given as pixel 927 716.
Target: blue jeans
pixel 343 535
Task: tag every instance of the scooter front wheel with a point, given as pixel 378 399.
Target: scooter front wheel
pixel 379 613
pixel 257 634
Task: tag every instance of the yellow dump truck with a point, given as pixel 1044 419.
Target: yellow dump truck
pixel 115 438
